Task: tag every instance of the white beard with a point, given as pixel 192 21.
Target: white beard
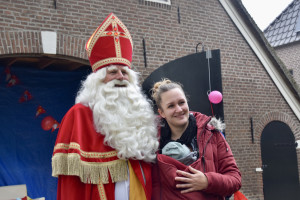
pixel 125 118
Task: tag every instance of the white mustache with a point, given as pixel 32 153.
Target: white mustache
pixel 115 82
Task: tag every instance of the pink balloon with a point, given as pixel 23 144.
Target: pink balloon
pixel 215 97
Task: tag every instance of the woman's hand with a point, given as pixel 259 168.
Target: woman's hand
pixel 191 181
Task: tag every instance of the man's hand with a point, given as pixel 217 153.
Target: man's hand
pixel 191 181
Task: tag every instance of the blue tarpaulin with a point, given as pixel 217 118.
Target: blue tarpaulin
pixel 25 147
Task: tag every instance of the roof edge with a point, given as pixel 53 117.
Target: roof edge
pixel 264 52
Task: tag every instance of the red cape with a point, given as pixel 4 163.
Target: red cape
pixel 80 154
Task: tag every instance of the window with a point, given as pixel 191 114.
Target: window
pixel 168 2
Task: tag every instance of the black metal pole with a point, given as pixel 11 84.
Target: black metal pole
pixel 145 56
pixel 178 12
pixel 252 136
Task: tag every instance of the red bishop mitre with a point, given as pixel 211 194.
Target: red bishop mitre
pixel 111 43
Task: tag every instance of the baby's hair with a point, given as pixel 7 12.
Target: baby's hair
pixel 163 86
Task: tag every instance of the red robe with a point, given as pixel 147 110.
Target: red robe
pixel 88 169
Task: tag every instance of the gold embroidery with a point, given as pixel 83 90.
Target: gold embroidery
pixel 89 172
pixel 116 40
pixel 110 60
pixel 101 191
pixel 76 146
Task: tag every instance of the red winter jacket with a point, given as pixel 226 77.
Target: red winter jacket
pixel 215 161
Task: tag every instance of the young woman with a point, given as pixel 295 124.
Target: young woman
pixel 194 160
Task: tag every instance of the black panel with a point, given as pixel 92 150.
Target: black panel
pixel 280 166
pixel 192 72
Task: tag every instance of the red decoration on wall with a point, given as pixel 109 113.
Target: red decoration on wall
pixel 13 81
pixel 47 123
pixel 8 74
pixel 26 96
pixel 40 110
pixel 55 126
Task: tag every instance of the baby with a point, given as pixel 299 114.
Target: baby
pixel 180 152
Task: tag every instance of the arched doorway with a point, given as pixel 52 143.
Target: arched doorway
pixel 279 159
pixel 34 88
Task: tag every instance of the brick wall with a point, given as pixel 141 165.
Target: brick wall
pixel 289 54
pixel 247 88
